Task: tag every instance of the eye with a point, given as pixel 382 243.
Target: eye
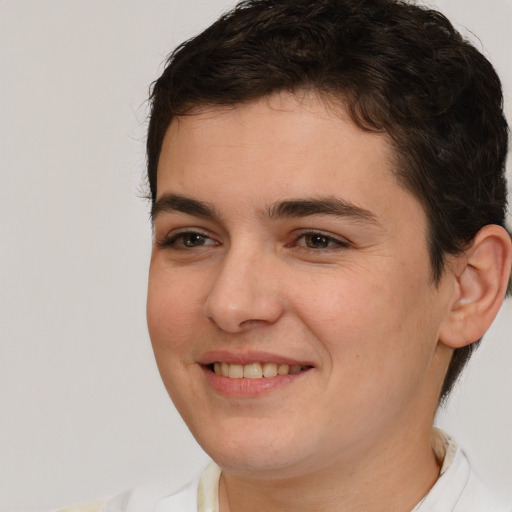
pixel 187 240
pixel 317 240
pixel 192 239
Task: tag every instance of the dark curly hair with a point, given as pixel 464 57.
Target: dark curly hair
pixel 397 68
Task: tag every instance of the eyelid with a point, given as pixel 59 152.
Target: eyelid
pixel 173 235
pixel 337 239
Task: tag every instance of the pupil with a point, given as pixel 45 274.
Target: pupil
pixel 317 241
pixel 193 239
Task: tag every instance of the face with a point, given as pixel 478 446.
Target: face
pixel 291 307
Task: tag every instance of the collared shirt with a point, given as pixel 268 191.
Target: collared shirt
pixel 457 489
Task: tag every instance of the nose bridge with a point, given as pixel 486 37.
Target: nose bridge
pixel 244 291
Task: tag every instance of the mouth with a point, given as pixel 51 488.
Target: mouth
pixel 256 370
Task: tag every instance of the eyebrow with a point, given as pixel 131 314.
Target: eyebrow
pixel 292 208
pixel 320 206
pixel 178 203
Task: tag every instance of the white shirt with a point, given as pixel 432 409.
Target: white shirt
pixel 457 489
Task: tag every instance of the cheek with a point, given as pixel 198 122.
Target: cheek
pixel 173 306
pixel 172 320
pixel 370 319
pixel 377 348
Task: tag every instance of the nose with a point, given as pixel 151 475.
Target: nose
pixel 245 292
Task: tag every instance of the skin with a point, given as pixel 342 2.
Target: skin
pixel 351 294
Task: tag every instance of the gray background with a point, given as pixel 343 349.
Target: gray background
pixel 82 411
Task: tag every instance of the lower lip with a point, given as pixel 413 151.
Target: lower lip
pixel 246 388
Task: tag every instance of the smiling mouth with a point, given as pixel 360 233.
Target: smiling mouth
pixel 256 370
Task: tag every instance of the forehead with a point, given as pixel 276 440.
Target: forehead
pixel 278 147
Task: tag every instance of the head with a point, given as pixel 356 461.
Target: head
pixel 395 69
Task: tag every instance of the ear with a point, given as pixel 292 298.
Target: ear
pixel 481 278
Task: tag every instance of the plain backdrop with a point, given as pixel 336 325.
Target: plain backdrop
pixel 82 411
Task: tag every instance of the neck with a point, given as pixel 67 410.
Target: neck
pixel 374 482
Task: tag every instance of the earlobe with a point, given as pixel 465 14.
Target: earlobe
pixel 482 274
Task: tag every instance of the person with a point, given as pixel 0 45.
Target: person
pixel 328 196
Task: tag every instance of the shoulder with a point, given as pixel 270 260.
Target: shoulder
pixel 160 495
pixel 458 488
pixel 477 497
pixel 89 506
pixel 157 496
pixel 148 498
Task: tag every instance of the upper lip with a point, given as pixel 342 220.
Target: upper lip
pixel 248 357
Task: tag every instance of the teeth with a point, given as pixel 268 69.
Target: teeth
pixel 283 369
pixel 236 371
pixel 255 370
pixel 269 370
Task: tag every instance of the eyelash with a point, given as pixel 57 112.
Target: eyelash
pixel 171 241
pixel 331 242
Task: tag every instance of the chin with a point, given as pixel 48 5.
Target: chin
pixel 260 453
